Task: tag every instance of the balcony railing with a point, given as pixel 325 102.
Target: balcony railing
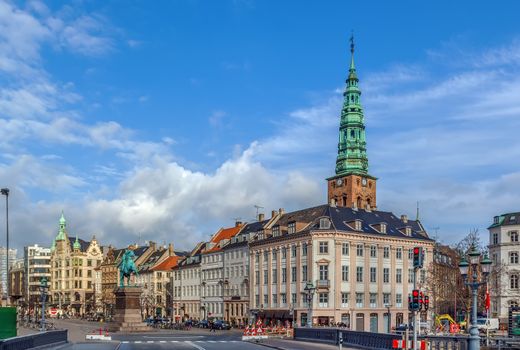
pixel 322 283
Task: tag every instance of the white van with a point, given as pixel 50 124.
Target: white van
pixel 484 324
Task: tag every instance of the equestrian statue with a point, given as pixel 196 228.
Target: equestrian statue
pixel 127 267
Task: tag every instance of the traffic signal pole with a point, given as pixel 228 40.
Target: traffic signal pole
pixel 414 312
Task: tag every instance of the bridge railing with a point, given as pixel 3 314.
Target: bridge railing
pixel 34 340
pixel 379 341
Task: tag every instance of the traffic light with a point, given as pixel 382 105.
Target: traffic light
pixel 410 302
pixel 426 302
pixel 418 257
pixel 415 300
pixel 421 300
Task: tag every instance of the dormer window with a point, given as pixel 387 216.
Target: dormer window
pixel 324 224
pixel 408 231
pixel 383 227
pixel 276 231
pixel 358 225
pixel 291 227
pixel 495 220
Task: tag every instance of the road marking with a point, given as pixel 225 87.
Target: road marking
pixel 174 341
pixel 125 342
pixel 138 342
pixel 162 341
pixel 149 341
pixel 194 345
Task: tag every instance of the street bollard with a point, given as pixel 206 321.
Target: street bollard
pixel 340 342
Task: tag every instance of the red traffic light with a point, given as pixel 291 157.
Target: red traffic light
pixel 416 250
pixel 415 293
pixel 426 299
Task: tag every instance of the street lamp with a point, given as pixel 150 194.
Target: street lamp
pixel 388 306
pixel 309 289
pixel 469 272
pixel 5 192
pixel 43 289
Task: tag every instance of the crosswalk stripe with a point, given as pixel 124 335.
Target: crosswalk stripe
pixel 125 342
pixel 181 341
pixel 150 341
pixel 162 341
pixel 174 341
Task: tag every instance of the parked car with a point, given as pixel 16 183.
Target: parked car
pixel 485 324
pixel 401 328
pixel 203 324
pixel 221 325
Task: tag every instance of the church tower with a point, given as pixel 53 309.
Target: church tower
pixel 352 186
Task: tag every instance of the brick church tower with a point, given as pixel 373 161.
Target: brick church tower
pixel 352 186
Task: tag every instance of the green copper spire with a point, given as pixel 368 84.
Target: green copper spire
pixel 76 244
pixel 53 245
pixel 63 225
pixel 352 154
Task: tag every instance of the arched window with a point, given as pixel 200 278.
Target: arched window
pixel 352 134
pixel 359 202
pixel 514 236
pixel 513 257
pixel 345 201
pixel 513 281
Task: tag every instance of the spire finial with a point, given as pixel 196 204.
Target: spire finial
pixel 352 43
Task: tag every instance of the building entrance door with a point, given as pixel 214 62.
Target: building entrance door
pixel 360 322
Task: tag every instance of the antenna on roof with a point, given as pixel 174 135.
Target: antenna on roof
pixel 237 219
pixel 417 215
pixel 257 208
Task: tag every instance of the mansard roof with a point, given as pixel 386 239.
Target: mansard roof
pixel 506 219
pixel 302 216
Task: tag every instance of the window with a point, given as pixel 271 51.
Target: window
pixel 323 299
pixel 274 299
pixel 373 299
pixel 304 249
pixel 373 251
pixel 344 249
pixel 410 275
pixel 257 277
pixel 266 255
pixel 514 236
pixel 274 254
pixel 359 250
pixel 399 253
pixel 324 272
pixel 293 298
pixel 495 238
pixel 398 300
pixel 423 276
pixel 293 274
pixel 275 276
pixel 284 274
pixel 373 275
pixel 513 257
pixel 304 273
pixel 284 253
pixel 344 299
pixel 386 275
pixel 344 273
pixel 386 252
pixel 283 298
pixel 291 227
pixel 266 299
pixel 276 230
pixel 513 281
pixel 410 254
pixel 386 298
pixel 89 262
pixel 359 274
pixel 324 247
pixel 359 299
pixel 398 276
pixel 293 251
pixel 266 276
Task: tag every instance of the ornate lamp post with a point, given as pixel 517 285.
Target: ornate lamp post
pixel 469 272
pixel 43 289
pixel 388 306
pixel 5 192
pixel 309 290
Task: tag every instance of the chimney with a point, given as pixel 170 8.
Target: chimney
pixel 260 216
pixel 238 223
pixel 170 250
pixel 152 245
pixel 281 211
pixel 273 213
pixel 404 219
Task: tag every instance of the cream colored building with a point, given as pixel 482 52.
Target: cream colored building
pixel 73 274
pixel 358 260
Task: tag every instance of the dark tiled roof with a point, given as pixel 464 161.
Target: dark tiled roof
pixel 304 215
pixel 83 244
pixel 235 244
pixel 189 261
pixel 151 261
pixel 181 253
pixel 506 219
pixel 254 227
pixel 139 251
pixel 394 225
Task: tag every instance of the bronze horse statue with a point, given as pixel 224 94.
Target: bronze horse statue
pixel 127 267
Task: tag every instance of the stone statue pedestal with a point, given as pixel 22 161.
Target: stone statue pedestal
pixel 127 316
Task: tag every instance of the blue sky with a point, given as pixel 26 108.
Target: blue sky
pixel 168 119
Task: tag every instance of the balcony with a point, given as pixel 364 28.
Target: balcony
pixel 323 284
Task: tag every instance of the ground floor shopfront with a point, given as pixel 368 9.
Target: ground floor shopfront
pixel 373 320
pixel 236 312
pixel 188 310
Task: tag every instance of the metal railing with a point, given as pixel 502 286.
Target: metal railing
pixel 322 283
pixel 34 340
pixel 376 341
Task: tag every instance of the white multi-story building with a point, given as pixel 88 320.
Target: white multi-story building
pixel 37 261
pixel 504 250
pixel 4 268
pixel 212 272
pixel 186 285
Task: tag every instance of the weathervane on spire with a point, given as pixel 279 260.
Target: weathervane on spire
pixel 352 42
